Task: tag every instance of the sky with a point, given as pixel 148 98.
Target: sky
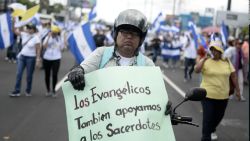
pixel 109 9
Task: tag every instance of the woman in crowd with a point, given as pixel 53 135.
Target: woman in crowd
pixel 51 59
pixel 216 73
pixel 235 55
pixel 28 57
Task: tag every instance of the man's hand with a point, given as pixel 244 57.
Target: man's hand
pixel 76 77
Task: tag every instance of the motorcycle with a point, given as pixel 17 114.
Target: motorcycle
pixel 194 94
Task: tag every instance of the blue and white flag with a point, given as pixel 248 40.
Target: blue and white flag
pixel 215 37
pixel 203 41
pixel 224 34
pixel 171 53
pixel 159 20
pixel 168 51
pixel 6 33
pixel 192 27
pixel 81 42
pixel 92 13
pixel 166 28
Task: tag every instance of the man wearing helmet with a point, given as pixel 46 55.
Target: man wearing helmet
pixel 130 30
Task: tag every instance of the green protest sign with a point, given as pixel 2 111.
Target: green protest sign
pixel 119 104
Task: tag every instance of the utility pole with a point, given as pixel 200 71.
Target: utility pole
pixel 5 5
pixel 151 10
pixel 228 9
pixel 174 8
pixel 229 5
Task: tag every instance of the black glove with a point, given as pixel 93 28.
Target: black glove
pixel 76 77
pixel 168 108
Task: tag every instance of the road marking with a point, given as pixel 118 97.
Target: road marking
pixel 173 85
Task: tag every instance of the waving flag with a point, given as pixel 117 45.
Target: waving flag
pixel 192 27
pixel 158 22
pixel 166 28
pixel 215 37
pixel 224 34
pixel 92 13
pixel 203 41
pixel 30 13
pixel 34 20
pixel 171 52
pixel 81 42
pixel 6 34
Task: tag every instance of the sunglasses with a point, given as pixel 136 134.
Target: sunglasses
pixel 129 32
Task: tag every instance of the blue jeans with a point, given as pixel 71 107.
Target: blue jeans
pixel 29 63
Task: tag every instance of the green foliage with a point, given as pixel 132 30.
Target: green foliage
pixel 27 3
pixel 56 8
pixel 245 31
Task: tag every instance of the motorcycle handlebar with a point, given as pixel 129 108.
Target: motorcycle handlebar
pixel 176 119
pixel 185 118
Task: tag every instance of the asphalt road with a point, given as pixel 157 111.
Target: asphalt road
pixel 40 118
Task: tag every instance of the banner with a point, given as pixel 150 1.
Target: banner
pixel 119 104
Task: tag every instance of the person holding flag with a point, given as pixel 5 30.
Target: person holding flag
pixel 28 57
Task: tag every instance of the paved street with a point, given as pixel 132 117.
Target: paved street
pixel 40 118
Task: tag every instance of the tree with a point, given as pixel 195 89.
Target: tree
pixel 244 31
pixel 27 3
pixel 44 4
pixel 56 8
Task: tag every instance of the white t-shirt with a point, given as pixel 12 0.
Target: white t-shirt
pixel 53 51
pixel 29 49
pixel 231 54
pixel 190 51
pixel 124 61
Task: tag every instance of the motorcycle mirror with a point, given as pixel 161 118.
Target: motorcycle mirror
pixel 196 94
